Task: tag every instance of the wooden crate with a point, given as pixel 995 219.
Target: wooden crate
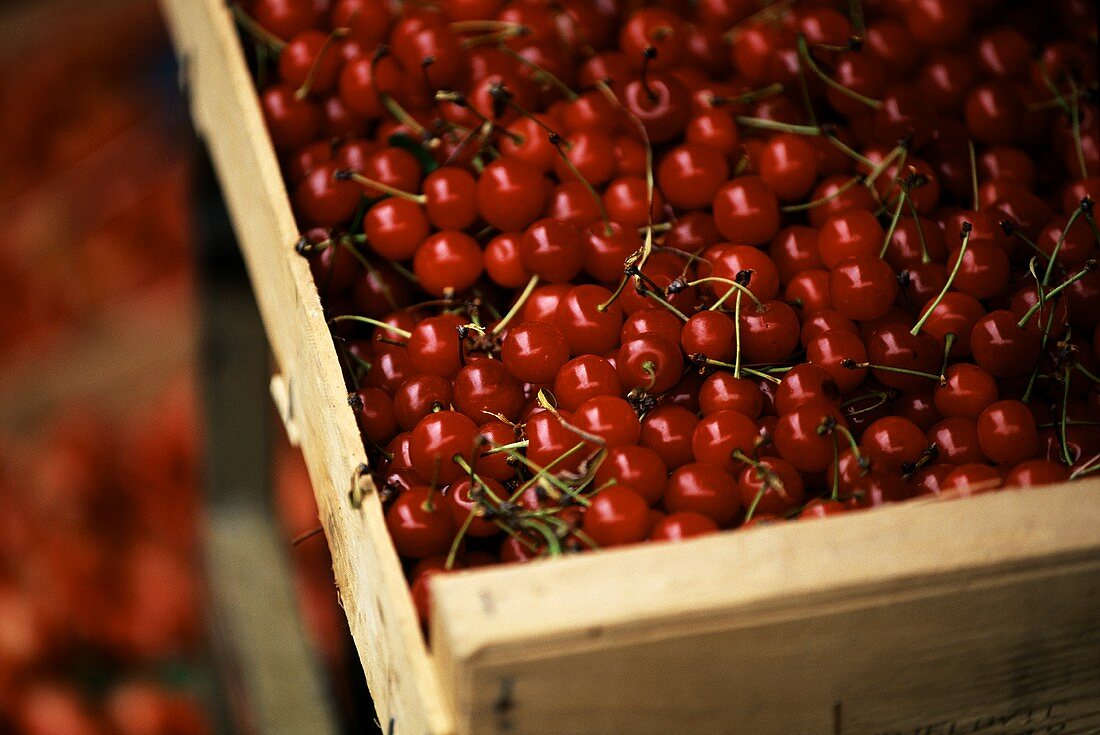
pixel 977 615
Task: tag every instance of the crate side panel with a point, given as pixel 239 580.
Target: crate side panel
pixel 367 570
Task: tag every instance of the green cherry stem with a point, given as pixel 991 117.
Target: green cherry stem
pixel 1090 266
pixel 373 322
pixel 517 306
pixel 1058 245
pixel 737 334
pixel 967 228
pixel 853 365
pixel 804 55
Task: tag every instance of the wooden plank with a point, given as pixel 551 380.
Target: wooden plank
pixel 380 613
pixel 892 621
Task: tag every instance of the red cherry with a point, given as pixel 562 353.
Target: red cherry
pixel 419 524
pixel 589 323
pixel 655 320
pixel 661 102
pixel 605 252
pixel 690 175
pixel 324 200
pixel 1003 348
pixel 831 349
pixel 437 439
pixel 462 499
pixel 1036 472
pixel 805 383
pixel 969 390
pixel 419 396
pixel 863 287
pixel 973 478
pixel 446 262
pixel 553 250
pixel 651 362
pixel 618 515
pixel 709 333
pixel 375 414
pixel 585 377
pixel 772 486
pixel 534 352
pixel 310 59
pixel 769 333
pixel 435 347
pixel 485 388
pixel 511 194
pixel 1007 432
pixel 503 263
pixel 719 435
pixel 610 418
pixel 638 467
pixel 893 346
pixel 853 233
pixel 746 210
pixel 705 489
pixel 451 198
pixel 893 442
pixel 668 430
pixel 801 440
pixel 683 525
pixel 395 228
pixel 956 439
pixel 723 392
pixel 789 164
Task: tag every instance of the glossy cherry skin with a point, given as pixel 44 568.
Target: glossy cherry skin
pixel 894 346
pixel 723 392
pixel 435 347
pixel 651 362
pixel 799 440
pixel 375 414
pixel 690 175
pixel 1001 347
pixel 498 465
pixel 746 210
pixel 669 430
pixel 626 200
pixel 719 435
pixel 956 314
pixel 589 323
pixel 502 261
pixel 1036 472
pixel 830 349
pixel 610 418
pixel 768 334
pixel 543 303
pixel 395 228
pixel 534 352
pixel 706 489
pixel 553 250
pixel 606 248
pixel 973 479
pixel 436 440
pixel 956 440
pixel 420 524
pixel 451 194
pixel 548 440
pixel 641 468
pixel 323 200
pixel 446 262
pixel 969 390
pixel 618 515
pixel 849 234
pixel 511 194
pixel 804 383
pixel 585 377
pixel 419 396
pixel 709 333
pixel 462 499
pixel 1007 432
pixel 484 388
pixel 656 320
pixel 863 287
pixel 893 442
pixel 683 525
pixel 789 164
pixel 661 103
pixel 776 483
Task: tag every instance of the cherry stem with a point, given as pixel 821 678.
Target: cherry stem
pixel 541 71
pixel 894 221
pixel 349 175
pixel 782 127
pixel 651 294
pixel 303 91
pixel 835 495
pixel 486 26
pixel 1075 117
pixel 737 334
pixel 1087 373
pixel 517 306
pixel 766 15
pixel 1058 245
pixel 967 228
pixel 1026 398
pixel 256 30
pixel 750 371
pixel 505 448
pixel 853 365
pixel 544 473
pixel 1087 468
pixel 863 462
pixel 374 322
pixel 881 397
pixel 457 542
pixel 925 258
pixel 498 36
pixel 1090 266
pixel 394 108
pixel 823 200
pixel 883 165
pixel 1065 415
pixel 973 173
pixel 746 98
pixel 859 27
pixel 948 343
pixel 557 142
pixel 732 285
pixel 804 55
pixel 849 151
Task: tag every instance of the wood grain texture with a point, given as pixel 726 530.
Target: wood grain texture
pixel 368 573
pixel 887 622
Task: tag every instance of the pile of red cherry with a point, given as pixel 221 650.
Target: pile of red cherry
pixel 602 272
